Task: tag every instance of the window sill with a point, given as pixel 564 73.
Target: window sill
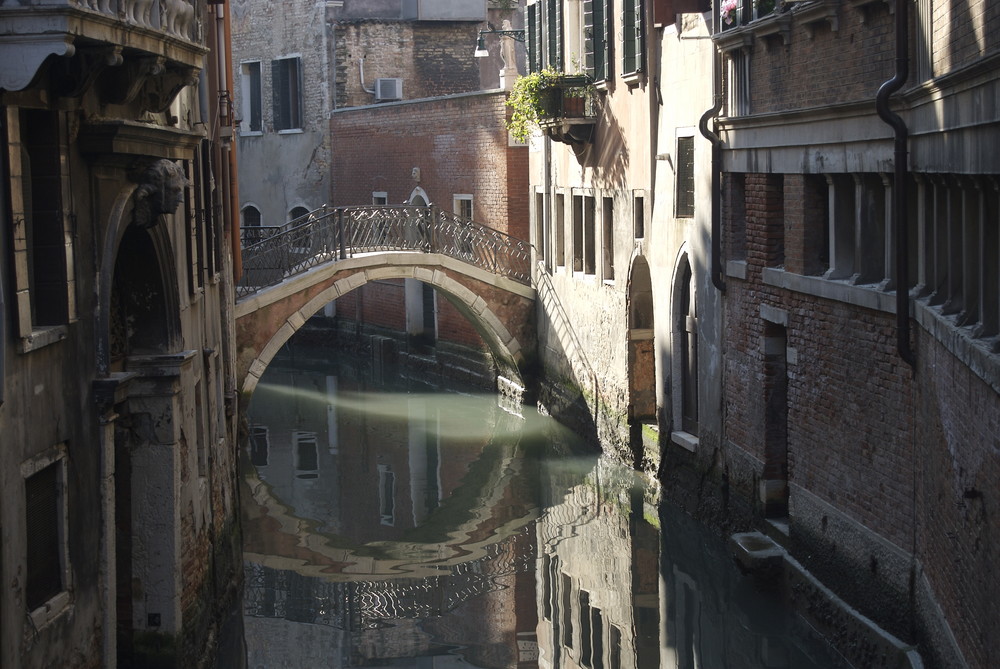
pixel 980 355
pixel 43 336
pixel 291 131
pixel 685 440
pixel 50 610
pixel 632 79
pixel 737 269
pixel 251 133
pixel 867 296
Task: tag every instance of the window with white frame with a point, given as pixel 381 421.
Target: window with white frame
pixel 251 101
pixel 380 197
pixel 286 93
pixel 638 215
pixel 462 206
pixel 306 454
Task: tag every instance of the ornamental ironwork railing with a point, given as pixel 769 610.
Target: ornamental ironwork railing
pixel 330 234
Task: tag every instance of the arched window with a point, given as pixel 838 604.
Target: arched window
pixel 296 213
pixel 250 230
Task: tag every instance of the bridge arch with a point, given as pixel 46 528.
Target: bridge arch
pixel 499 309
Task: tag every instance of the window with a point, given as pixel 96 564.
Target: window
pixel 259 445
pixel 386 495
pixel 638 216
pixel 577 233
pixel 47 566
pixel 684 192
pixel 380 197
pixel 560 227
pixel 297 215
pixel 596 39
pixel 589 235
pixel 251 102
pixel 633 36
pixel 541 231
pixel 250 232
pixel 462 206
pixel 286 90
pixel 738 83
pixel 306 454
pixel 607 238
pixel 42 244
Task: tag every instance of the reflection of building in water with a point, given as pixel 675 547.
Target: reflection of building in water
pixel 598 600
pixel 616 591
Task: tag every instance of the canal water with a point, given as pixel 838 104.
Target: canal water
pixel 391 523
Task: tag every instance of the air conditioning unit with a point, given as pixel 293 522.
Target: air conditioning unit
pixel 388 89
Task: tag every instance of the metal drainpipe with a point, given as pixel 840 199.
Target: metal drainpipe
pixel 716 141
pixel 900 177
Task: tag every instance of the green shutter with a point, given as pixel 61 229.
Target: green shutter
pixel 279 84
pixel 534 38
pixel 628 36
pixel 595 39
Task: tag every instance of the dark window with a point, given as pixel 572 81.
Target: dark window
pixel 685 177
pixel 638 217
pixel 286 83
pixel 44 564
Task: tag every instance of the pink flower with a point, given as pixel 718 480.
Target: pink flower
pixel 727 9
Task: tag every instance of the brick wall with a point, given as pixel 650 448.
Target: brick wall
pixel 432 58
pixel 811 71
pixel 459 145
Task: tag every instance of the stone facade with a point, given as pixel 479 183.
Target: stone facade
pixel 617 260
pixel 120 540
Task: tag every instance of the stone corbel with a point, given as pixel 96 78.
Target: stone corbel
pixel 129 80
pixel 159 91
pixel 23 56
pixel 86 66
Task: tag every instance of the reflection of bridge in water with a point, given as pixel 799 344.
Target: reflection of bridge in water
pixel 292 272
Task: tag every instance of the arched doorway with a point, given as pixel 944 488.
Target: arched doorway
pixel 641 360
pixel 684 338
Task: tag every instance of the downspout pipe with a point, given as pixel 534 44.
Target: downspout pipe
pixel 710 135
pixel 900 178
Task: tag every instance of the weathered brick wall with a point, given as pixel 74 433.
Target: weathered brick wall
pixel 432 58
pixel 962 32
pixel 819 70
pixel 459 145
pixel 957 456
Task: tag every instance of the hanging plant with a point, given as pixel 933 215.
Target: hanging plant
pixel 546 94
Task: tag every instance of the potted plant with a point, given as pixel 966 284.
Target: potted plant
pixel 729 12
pixel 546 94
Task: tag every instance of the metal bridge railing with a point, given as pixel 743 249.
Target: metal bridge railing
pixel 329 234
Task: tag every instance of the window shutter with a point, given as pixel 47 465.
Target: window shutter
pixel 640 35
pixel 255 99
pixel 534 38
pixel 554 30
pixel 628 36
pixel 606 50
pixel 279 84
pixel 590 38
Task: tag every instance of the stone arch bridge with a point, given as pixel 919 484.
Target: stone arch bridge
pixel 290 273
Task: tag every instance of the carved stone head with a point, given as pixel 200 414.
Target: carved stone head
pixel 161 189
